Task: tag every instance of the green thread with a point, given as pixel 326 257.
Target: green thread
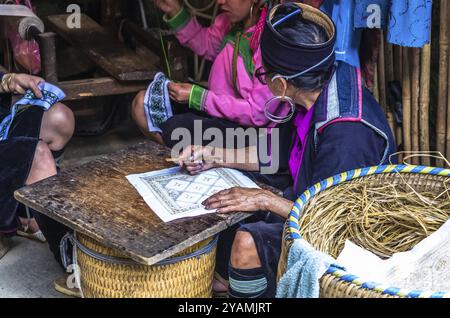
pixel 166 59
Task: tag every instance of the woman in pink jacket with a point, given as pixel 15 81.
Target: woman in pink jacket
pixel 235 97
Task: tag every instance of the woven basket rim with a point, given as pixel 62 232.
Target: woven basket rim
pixel 293 231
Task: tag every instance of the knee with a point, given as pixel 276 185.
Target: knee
pixel 244 254
pixel 137 107
pixel 62 120
pixel 43 158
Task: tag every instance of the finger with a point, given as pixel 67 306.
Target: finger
pixel 220 204
pixel 19 90
pixel 230 209
pixel 218 197
pixel 36 90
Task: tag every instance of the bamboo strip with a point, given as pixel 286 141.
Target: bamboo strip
pixel 424 103
pixel 381 75
pixel 415 94
pixel 389 67
pixel 406 94
pixel 443 73
pixel 398 71
pixel 376 88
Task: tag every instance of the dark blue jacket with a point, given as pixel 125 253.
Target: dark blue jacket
pixel 348 131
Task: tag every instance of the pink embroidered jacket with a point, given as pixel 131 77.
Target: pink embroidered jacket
pixel 220 99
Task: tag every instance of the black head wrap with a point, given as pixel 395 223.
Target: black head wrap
pixel 291 58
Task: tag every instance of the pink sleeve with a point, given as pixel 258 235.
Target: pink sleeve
pixel 204 41
pixel 221 100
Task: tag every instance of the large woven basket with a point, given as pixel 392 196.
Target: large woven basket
pixel 336 283
pixel 107 273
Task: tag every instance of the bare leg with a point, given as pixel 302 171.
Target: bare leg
pixel 244 254
pixel 43 167
pixel 58 125
pixel 57 128
pixel 138 114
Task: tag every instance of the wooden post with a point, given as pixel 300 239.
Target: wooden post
pixel 443 78
pixel 415 94
pixel 406 94
pixel 424 104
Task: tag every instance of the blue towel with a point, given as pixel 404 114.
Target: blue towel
pixel 50 96
pixel 157 104
pixel 304 269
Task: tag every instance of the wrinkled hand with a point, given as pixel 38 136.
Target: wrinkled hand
pixel 240 200
pixel 180 92
pixel 170 7
pixel 22 82
pixel 195 159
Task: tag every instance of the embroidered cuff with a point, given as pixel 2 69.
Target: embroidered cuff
pixel 197 97
pixel 179 20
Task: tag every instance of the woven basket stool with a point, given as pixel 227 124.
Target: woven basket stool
pixel 336 283
pixel 107 273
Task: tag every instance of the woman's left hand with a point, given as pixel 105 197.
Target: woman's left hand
pixel 239 200
pixel 180 92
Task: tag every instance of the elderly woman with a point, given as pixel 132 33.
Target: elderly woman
pixel 234 96
pixel 31 138
pixel 336 126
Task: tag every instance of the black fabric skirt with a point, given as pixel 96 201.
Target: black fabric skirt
pixel 16 157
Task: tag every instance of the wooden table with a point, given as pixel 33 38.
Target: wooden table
pixel 97 200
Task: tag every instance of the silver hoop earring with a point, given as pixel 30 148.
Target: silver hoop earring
pixel 251 11
pixel 275 118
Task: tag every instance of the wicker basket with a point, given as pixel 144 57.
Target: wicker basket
pixel 107 273
pixel 337 283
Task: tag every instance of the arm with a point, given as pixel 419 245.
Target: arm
pixel 221 100
pixel 204 41
pixel 197 159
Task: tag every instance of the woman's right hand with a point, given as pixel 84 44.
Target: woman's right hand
pixel 196 159
pixel 170 7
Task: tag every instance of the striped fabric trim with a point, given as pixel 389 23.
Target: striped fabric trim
pixel 179 21
pixel 248 286
pixel 197 97
pixel 293 229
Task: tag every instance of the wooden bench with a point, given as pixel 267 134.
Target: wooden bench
pixel 97 200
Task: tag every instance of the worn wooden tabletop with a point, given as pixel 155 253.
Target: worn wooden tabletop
pixel 97 200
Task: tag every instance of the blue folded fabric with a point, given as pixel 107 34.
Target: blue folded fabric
pixel 50 96
pixel 408 22
pixel 347 37
pixel 157 104
pixel 305 267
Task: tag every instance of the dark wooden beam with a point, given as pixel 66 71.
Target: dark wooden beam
pixel 99 87
pixel 104 49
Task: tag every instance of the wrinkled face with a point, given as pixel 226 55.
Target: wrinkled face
pixel 237 10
